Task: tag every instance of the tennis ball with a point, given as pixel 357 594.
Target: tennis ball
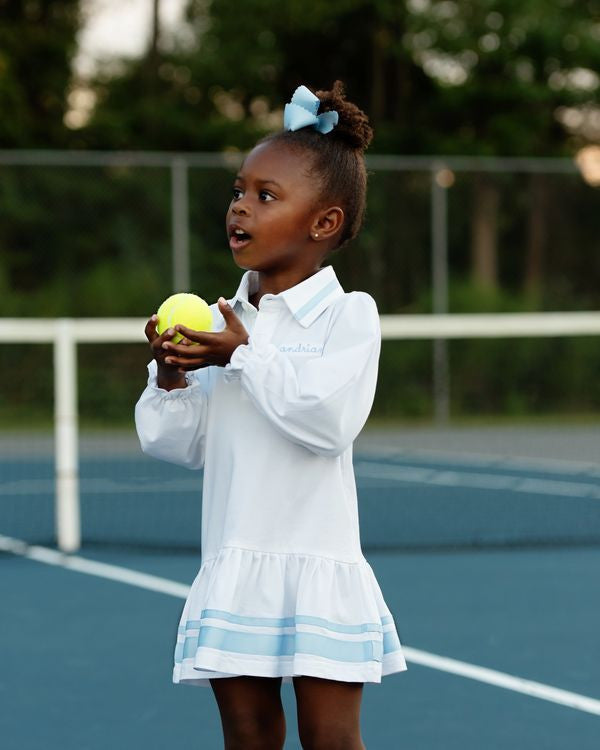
pixel 186 309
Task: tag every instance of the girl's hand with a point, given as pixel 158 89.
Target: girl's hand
pixel 207 347
pixel 168 375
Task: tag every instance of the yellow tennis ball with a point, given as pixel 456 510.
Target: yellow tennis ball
pixel 186 309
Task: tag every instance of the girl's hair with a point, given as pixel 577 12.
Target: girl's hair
pixel 336 158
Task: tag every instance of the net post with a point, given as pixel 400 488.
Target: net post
pixel 67 513
pixel 439 279
pixel 180 225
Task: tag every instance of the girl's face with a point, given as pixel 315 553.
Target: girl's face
pixel 274 205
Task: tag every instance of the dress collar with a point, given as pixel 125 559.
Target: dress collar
pixel 306 301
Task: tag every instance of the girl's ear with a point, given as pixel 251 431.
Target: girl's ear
pixel 328 222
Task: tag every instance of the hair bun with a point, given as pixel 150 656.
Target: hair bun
pixel 353 126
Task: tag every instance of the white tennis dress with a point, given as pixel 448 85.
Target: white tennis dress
pixel 283 588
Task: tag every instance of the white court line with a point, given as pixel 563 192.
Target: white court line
pixel 504 680
pixel 414 655
pixel 489 460
pixel 371 469
pixel 476 480
pixel 100 486
pixel 94 568
pixel 364 469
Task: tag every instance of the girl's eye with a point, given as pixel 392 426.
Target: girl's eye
pixel 237 193
pixel 264 196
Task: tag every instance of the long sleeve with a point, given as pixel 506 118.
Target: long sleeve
pixel 324 403
pixel 171 425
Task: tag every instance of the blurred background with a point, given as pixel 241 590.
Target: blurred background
pixel 88 230
pixel 122 124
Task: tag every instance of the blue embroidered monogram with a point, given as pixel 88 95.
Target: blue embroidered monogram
pixel 301 348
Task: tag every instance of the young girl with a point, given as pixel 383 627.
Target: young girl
pixel 269 404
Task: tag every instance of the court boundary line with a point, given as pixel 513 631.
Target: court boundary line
pixel 503 482
pixel 161 585
pixel 94 567
pixel 577 486
pixel 522 685
pixel 561 466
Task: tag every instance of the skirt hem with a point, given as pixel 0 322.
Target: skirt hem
pixel 209 665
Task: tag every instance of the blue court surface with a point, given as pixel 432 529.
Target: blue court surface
pixel 489 565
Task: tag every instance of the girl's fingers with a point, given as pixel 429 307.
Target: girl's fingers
pixel 157 342
pixel 199 337
pixel 184 350
pixel 150 329
pixel 231 319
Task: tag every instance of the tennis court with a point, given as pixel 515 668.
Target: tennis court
pixel 480 247
pixel 485 541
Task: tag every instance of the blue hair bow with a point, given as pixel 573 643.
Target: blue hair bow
pixel 301 112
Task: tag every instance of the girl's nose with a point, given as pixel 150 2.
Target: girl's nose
pixel 239 208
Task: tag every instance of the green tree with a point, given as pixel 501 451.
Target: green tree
pixel 507 70
pixel 37 44
pixel 230 84
pixel 491 77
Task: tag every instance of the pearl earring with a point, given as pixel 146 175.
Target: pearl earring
pixel 316 234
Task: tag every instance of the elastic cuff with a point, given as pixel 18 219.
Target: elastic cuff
pixel 191 381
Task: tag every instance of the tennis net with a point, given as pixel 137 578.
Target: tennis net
pixel 518 463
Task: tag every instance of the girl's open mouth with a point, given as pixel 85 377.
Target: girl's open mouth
pixel 239 240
